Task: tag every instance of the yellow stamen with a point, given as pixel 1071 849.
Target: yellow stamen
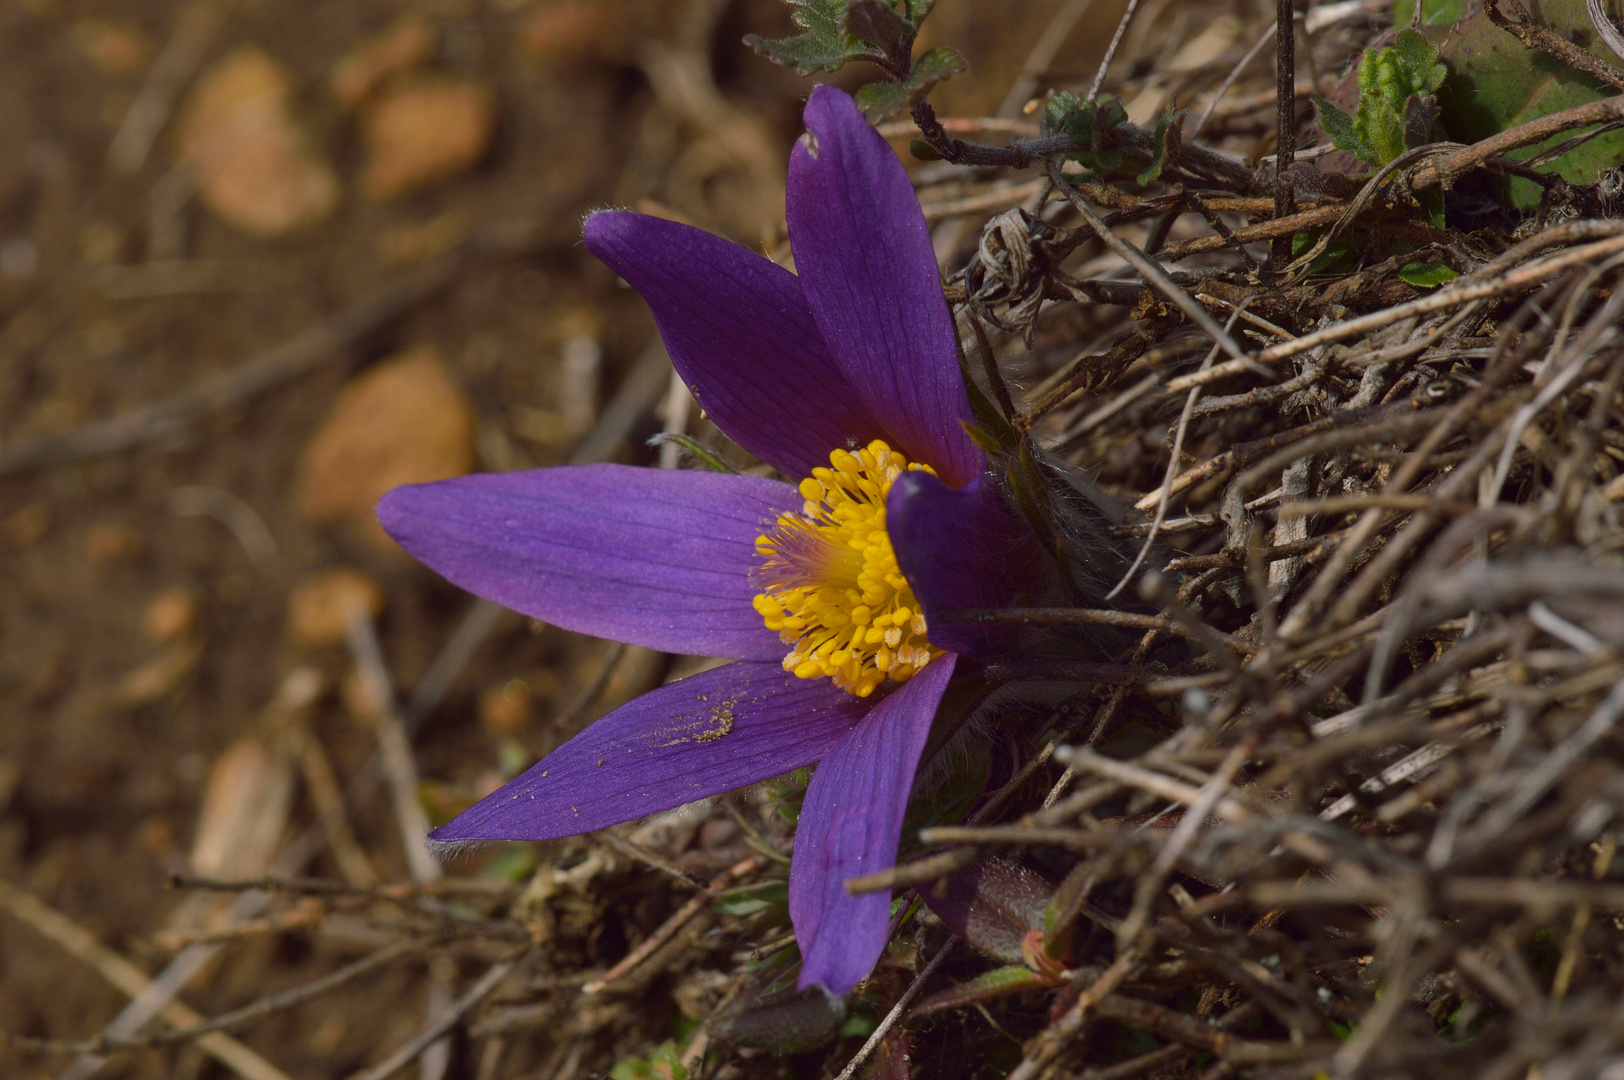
pixel 830 583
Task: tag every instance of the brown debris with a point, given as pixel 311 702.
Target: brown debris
pixel 403 422
pixel 320 607
pixel 255 166
pixel 410 41
pixel 423 130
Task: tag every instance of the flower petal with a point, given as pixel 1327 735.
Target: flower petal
pixel 649 557
pixel 864 257
pixel 964 548
pixel 719 730
pixel 850 824
pixel 739 332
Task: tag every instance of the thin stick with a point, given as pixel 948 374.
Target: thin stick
pixel 1044 50
pixel 271 367
pixel 1090 616
pixel 1173 464
pixel 1110 50
pixel 1449 296
pixel 1229 81
pixel 260 1009
pixel 399 764
pixel 167 77
pixel 1153 274
pixel 441 1024
pixel 79 943
pixel 1285 124
pixel 896 1012
pixel 669 928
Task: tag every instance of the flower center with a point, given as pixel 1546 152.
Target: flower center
pixel 830 583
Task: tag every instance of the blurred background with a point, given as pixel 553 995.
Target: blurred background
pixel 260 262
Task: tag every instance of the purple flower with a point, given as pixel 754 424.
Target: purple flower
pixel 844 378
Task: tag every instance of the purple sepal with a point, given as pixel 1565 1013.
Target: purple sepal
pixel 964 548
pixel 863 253
pixel 740 334
pixel 719 730
pixel 655 558
pixel 850 825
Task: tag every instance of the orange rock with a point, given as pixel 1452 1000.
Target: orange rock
pixel 319 608
pixel 423 130
pixel 171 614
pixel 406 44
pixel 403 422
pixel 255 167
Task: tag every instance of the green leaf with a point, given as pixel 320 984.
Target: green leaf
pixel 1094 127
pixel 664 1064
pixel 749 899
pixel 1495 83
pixel 1169 134
pixel 826 46
pixel 1427 275
pixel 934 66
pixel 882 99
pixel 1388 80
pixel 1340 127
pixel 1500 84
pixel 859 1026
pixel 984 987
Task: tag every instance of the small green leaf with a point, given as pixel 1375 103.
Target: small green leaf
pixel 1340 127
pixel 996 983
pixel 1388 79
pixel 1093 125
pixel 664 1064
pixel 1427 275
pixel 826 46
pixel 750 899
pixel 934 66
pixel 1169 134
pixel 859 1026
pixel 882 99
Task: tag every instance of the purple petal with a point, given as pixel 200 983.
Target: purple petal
pixel 964 548
pixel 739 332
pixel 654 558
pixel 850 824
pixel 863 254
pixel 719 730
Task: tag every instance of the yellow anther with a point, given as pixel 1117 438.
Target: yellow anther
pixel 830 583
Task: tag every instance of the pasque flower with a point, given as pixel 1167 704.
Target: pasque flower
pixel 844 377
